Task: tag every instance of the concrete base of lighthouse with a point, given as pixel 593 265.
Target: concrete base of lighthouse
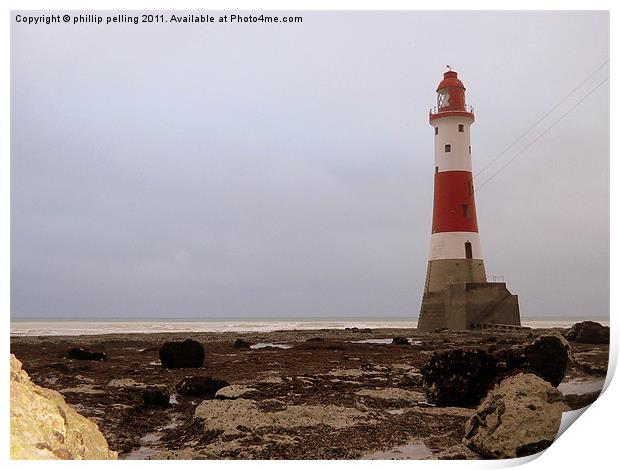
pixel 464 305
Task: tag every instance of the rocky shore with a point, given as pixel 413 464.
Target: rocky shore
pixel 309 394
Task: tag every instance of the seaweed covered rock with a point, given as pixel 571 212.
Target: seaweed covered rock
pixel 458 377
pixel 548 356
pixel 84 354
pixel 590 332
pixel 181 354
pixel 156 397
pixel 198 386
pixel 520 416
pixel 401 341
pixel 44 426
pixel 241 344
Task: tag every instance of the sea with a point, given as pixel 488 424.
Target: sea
pixel 68 327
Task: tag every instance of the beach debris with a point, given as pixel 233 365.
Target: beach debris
pixel 156 397
pixel 232 392
pixel 401 341
pixel 519 417
pixel 44 426
pixel 548 356
pixel 590 332
pixel 182 354
pixel 241 344
pixel 458 377
pixel 197 386
pixel 84 354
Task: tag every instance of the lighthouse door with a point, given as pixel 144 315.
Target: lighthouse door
pixel 468 253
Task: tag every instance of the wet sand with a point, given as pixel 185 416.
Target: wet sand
pixel 345 394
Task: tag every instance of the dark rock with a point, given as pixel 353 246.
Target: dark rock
pixel 590 332
pixel 197 386
pixel 179 354
pixel 85 355
pixel 241 344
pixel 401 341
pixel 576 402
pixel 154 396
pixel 458 377
pixel 548 356
pixel 314 340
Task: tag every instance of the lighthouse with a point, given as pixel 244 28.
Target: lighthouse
pixel 456 292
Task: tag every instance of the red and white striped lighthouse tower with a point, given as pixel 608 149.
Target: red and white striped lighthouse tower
pixel 455 260
pixel 455 254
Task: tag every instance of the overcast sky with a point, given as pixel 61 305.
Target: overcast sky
pixel 287 170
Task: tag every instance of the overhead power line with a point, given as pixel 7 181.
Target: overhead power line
pixel 541 118
pixel 543 133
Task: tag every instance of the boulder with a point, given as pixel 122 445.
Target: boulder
pixel 83 354
pixel 548 356
pixel 181 354
pixel 401 341
pixel 197 386
pixel 590 332
pixel 520 416
pixel 156 397
pixel 44 426
pixel 241 344
pixel 458 377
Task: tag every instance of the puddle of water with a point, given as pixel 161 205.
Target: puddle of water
pixel 149 442
pixel 374 341
pixel 270 345
pixel 399 411
pixel 382 341
pixel 413 451
pixel 581 386
pixel 155 363
pixel 173 399
pixel 145 450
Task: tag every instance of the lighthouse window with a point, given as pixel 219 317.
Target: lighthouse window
pixel 461 128
pixel 470 149
pixel 466 211
pixel 448 148
pixel 443 98
pixel 436 130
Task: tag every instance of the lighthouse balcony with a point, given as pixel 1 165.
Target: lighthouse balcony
pixel 449 109
pixel 463 111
